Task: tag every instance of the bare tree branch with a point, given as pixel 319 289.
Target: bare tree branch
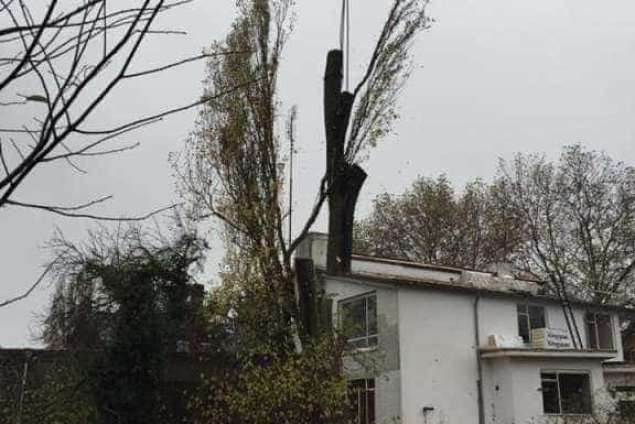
pixel 64 211
pixel 31 289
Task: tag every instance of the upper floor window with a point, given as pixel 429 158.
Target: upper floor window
pixel 566 393
pixel 359 315
pixel 599 331
pixel 530 317
pixel 362 394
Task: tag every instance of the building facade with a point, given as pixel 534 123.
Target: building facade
pixel 432 345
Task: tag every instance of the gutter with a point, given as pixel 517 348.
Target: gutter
pixel 479 365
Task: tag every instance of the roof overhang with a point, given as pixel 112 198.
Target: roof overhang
pixel 495 353
pixel 619 368
pixel 459 287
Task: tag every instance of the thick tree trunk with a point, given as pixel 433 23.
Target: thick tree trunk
pixel 345 180
pixel 314 306
pixel 342 201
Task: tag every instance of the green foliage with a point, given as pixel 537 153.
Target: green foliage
pixel 51 393
pixel 120 307
pixel 278 388
pixel 269 382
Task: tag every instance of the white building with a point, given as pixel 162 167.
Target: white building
pixel 443 345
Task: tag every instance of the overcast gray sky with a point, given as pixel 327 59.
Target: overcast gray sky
pixel 492 77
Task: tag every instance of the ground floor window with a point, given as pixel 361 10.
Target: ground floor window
pixel 626 409
pixel 362 394
pixel 626 402
pixel 566 393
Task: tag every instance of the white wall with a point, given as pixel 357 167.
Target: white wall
pixel 438 359
pixel 497 315
pixel 527 397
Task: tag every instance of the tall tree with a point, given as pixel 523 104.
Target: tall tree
pixel 232 170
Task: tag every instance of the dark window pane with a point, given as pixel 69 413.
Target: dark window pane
pixel 363 411
pixel 605 331
pixel 372 314
pixel 550 397
pixel 362 396
pixel 523 327
pixel 591 335
pixel 354 314
pixel 626 409
pixel 370 403
pixel 575 393
pixel 357 343
pixel 521 308
pixel 355 389
pixel 537 317
pixel 359 321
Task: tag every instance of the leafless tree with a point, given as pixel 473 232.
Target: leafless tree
pixel 578 224
pixel 60 61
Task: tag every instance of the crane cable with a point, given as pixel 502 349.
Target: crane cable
pixel 345 39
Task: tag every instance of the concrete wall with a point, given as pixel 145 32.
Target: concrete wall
pixel 498 398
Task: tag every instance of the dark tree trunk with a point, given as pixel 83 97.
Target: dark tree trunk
pixel 345 180
pixel 315 307
pixel 342 201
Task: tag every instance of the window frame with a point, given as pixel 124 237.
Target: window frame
pixel 527 316
pixel 558 373
pixel 362 392
pixel 371 339
pixel 588 322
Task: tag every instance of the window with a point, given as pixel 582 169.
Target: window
pixel 530 317
pixel 360 320
pixel 626 409
pixel 362 393
pixel 566 393
pixel 599 331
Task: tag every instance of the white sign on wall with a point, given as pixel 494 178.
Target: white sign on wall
pixel 550 338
